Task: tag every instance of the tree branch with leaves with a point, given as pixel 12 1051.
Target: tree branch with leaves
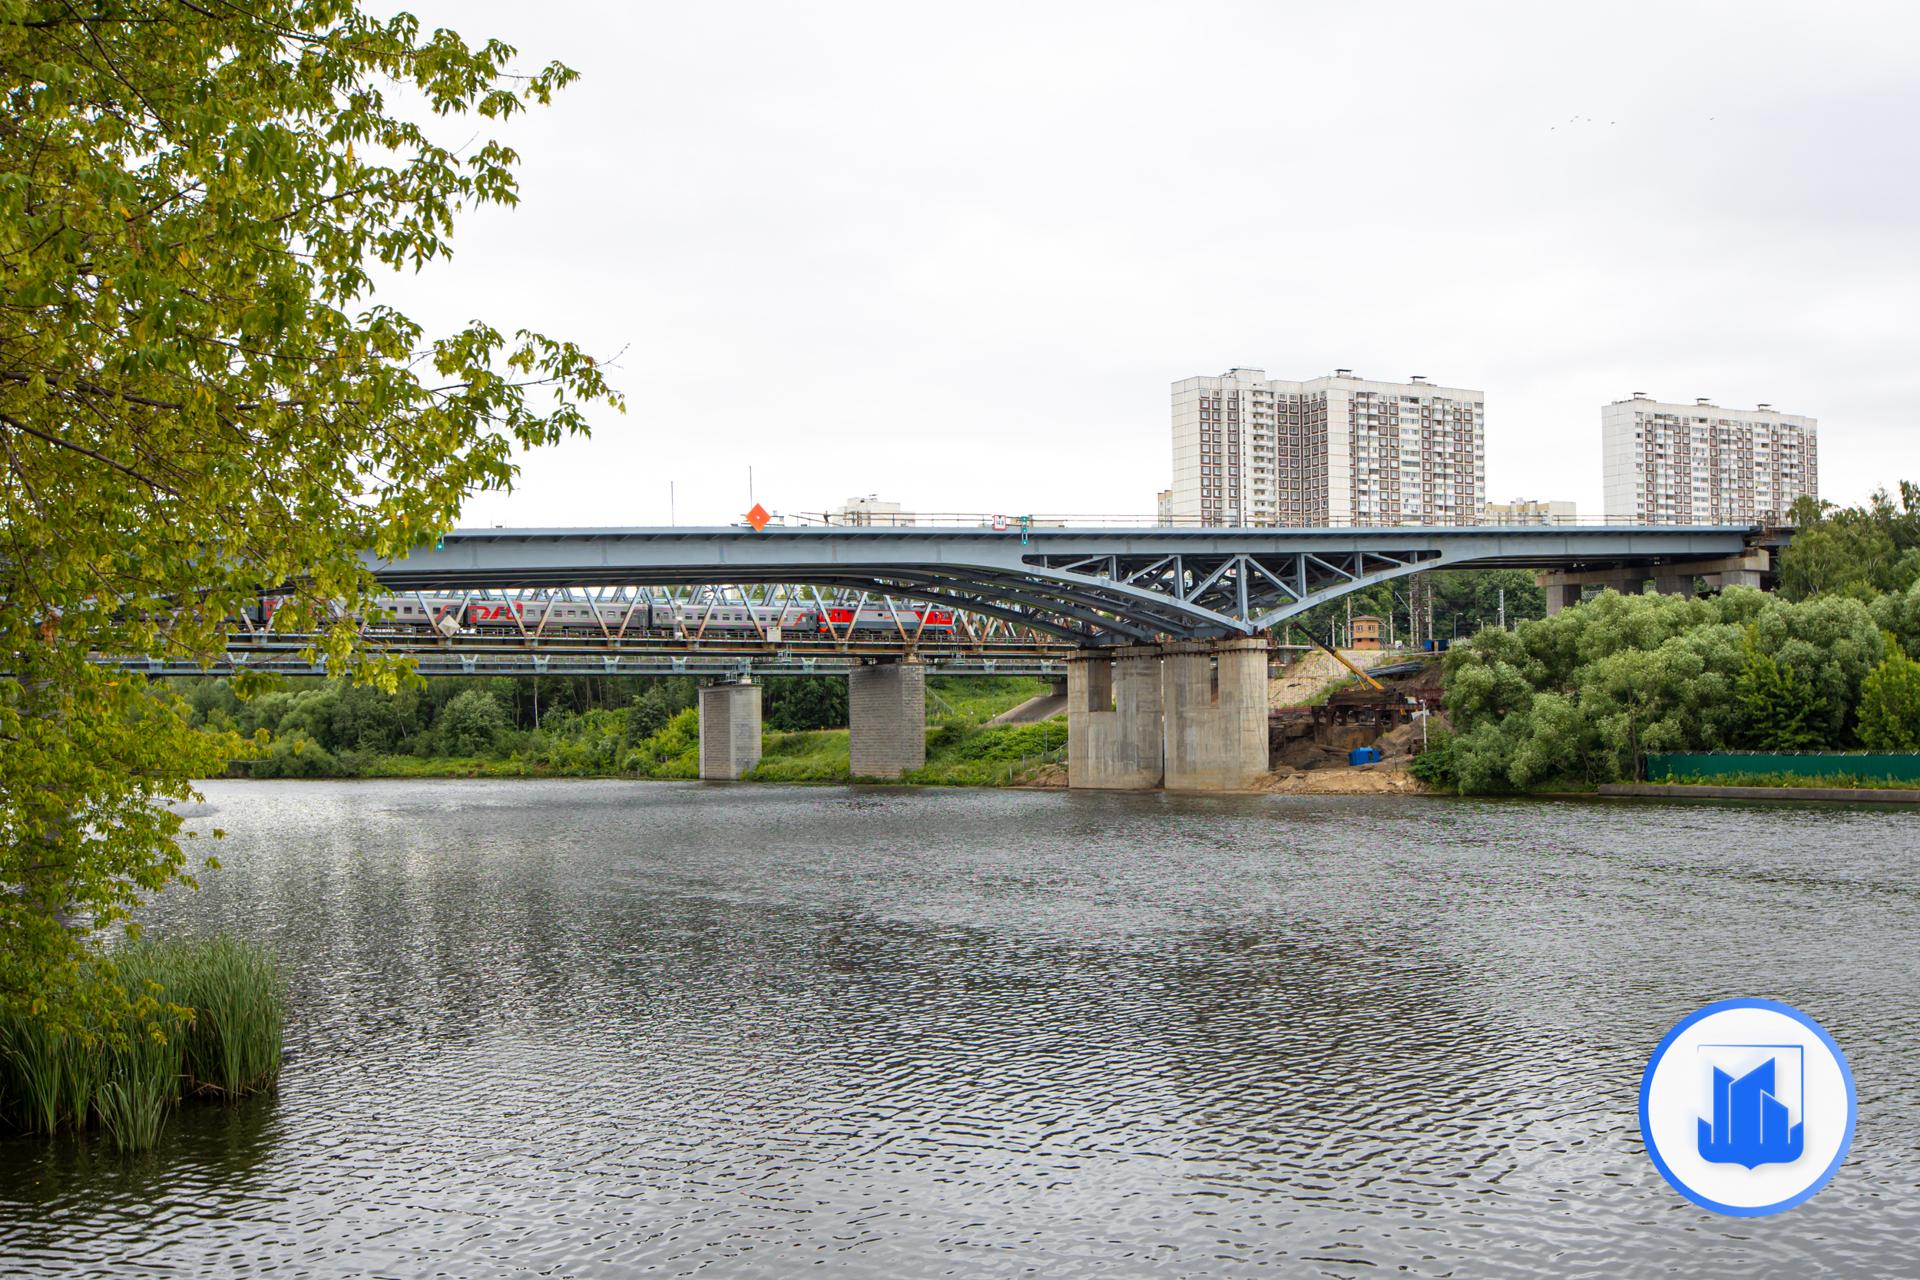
pixel 201 400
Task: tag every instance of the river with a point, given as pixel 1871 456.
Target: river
pixel 603 1029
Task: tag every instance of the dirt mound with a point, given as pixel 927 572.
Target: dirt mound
pixel 1310 674
pixel 1305 753
pixel 1366 780
pixel 1049 775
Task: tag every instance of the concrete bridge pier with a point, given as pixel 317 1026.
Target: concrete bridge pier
pixel 1748 569
pixel 729 730
pixel 1216 714
pixel 1190 716
pixel 1114 738
pixel 887 719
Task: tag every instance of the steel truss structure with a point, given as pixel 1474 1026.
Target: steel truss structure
pixel 657 631
pixel 1084 586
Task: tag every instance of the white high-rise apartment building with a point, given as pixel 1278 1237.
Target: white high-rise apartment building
pixel 1249 450
pixel 1701 464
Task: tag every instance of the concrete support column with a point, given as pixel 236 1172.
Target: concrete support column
pixel 1560 593
pixel 1734 578
pixel 1216 714
pixel 887 719
pixel 729 730
pixel 1674 584
pixel 1114 738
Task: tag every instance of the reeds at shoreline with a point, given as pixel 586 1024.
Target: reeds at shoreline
pixel 202 1020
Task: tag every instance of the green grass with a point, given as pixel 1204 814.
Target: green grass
pixel 446 767
pixel 1789 781
pixel 233 1044
pixel 818 755
pixel 199 1018
pixel 990 756
pixel 977 699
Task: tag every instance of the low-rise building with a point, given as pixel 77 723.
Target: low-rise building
pixel 871 511
pixel 1529 511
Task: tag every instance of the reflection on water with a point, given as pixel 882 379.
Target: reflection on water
pixel 594 1029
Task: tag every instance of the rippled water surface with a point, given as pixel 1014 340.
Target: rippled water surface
pixel 601 1029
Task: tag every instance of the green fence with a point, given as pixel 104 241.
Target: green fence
pixel 1706 766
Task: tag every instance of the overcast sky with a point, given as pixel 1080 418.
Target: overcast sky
pixel 954 255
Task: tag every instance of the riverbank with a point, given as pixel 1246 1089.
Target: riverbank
pixel 958 754
pixel 1792 794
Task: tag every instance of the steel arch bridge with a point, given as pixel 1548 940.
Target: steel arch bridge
pixel 1092 586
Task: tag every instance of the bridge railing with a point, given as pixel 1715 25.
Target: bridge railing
pixel 1013 522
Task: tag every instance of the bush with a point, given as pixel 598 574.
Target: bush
pixel 1890 703
pixel 996 755
pixel 673 752
pixel 1581 696
pixel 473 723
pixel 295 756
pixel 1436 765
pixel 817 756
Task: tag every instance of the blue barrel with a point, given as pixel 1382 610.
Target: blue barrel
pixel 1364 755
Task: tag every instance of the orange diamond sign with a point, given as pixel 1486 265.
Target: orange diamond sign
pixel 758 518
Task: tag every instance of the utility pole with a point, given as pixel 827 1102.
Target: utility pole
pixel 1428 588
pixel 1503 608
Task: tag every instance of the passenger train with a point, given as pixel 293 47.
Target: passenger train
pixel 453 615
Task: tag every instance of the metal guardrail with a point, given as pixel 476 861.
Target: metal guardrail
pixel 974 520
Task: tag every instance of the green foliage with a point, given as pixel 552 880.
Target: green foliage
pixel 816 756
pixel 959 755
pixel 645 718
pixel 1853 551
pixel 1581 696
pixel 473 723
pixel 1890 704
pixel 792 703
pixel 1778 710
pixel 1840 781
pixel 199 400
pixel 189 1018
pixel 1437 765
pixel 977 699
pixel 674 752
pixel 1899 616
pixel 232 1046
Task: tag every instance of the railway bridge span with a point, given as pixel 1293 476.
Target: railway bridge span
pixel 1162 631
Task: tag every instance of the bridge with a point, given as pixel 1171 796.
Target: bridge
pixel 1091 587
pixel 1162 631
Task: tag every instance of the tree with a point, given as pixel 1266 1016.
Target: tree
pixel 1856 551
pixel 472 724
pixel 1586 693
pixel 200 400
pixel 805 702
pixel 1778 710
pixel 1890 703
